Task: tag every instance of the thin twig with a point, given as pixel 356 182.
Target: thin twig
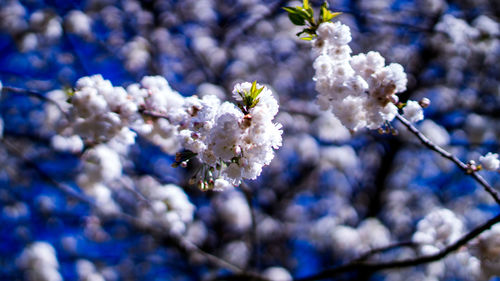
pixel 64 188
pixel 375 251
pixel 273 9
pixel 37 95
pixel 388 21
pixel 464 167
pixel 372 267
pixel 154 114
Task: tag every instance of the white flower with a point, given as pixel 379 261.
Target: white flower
pixel 346 240
pixel 373 233
pixel 73 144
pixel 39 260
pixel 490 161
pixel 232 142
pixel 171 205
pixel 335 32
pixel 487 250
pixel 86 270
pixel 100 164
pixel 234 210
pixel 438 229
pixel 235 142
pixel 413 111
pixel 277 274
pixel 343 158
pixel 360 89
pixel 78 22
pixel 221 184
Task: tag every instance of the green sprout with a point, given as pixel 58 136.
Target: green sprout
pixel 304 16
pixel 250 99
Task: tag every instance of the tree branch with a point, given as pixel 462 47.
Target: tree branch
pixel 154 114
pixel 372 267
pixel 464 167
pixel 37 95
pixel 375 251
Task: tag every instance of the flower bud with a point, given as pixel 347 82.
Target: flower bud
pixel 425 102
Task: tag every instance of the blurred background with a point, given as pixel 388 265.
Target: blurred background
pixel 327 196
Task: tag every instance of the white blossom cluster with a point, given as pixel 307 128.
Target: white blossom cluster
pixel 79 23
pixel 490 161
pixel 360 90
pixel 154 94
pixel 464 46
pixel 277 274
pixel 347 240
pixel 32 31
pixel 480 36
pixel 170 206
pixel 101 166
pixel 233 209
pixel 439 228
pixel 40 263
pixel 233 142
pixel 87 271
pixel 487 249
pixel 100 111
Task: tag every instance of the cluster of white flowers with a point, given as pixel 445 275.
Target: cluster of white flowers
pixel 343 158
pixel 347 240
pixel 370 234
pixel 277 273
pixel 101 166
pixel 436 230
pixel 154 94
pixel 87 271
pixel 490 161
pixel 487 249
pixel 100 111
pixel 136 54
pixel 40 262
pixel 480 36
pixel 413 111
pixel 232 207
pixel 233 142
pixel 29 31
pixel 360 90
pixel 463 45
pixel 237 253
pixel 170 206
pixel 79 23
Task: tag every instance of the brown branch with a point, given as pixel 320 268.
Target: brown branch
pixel 372 267
pixel 464 167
